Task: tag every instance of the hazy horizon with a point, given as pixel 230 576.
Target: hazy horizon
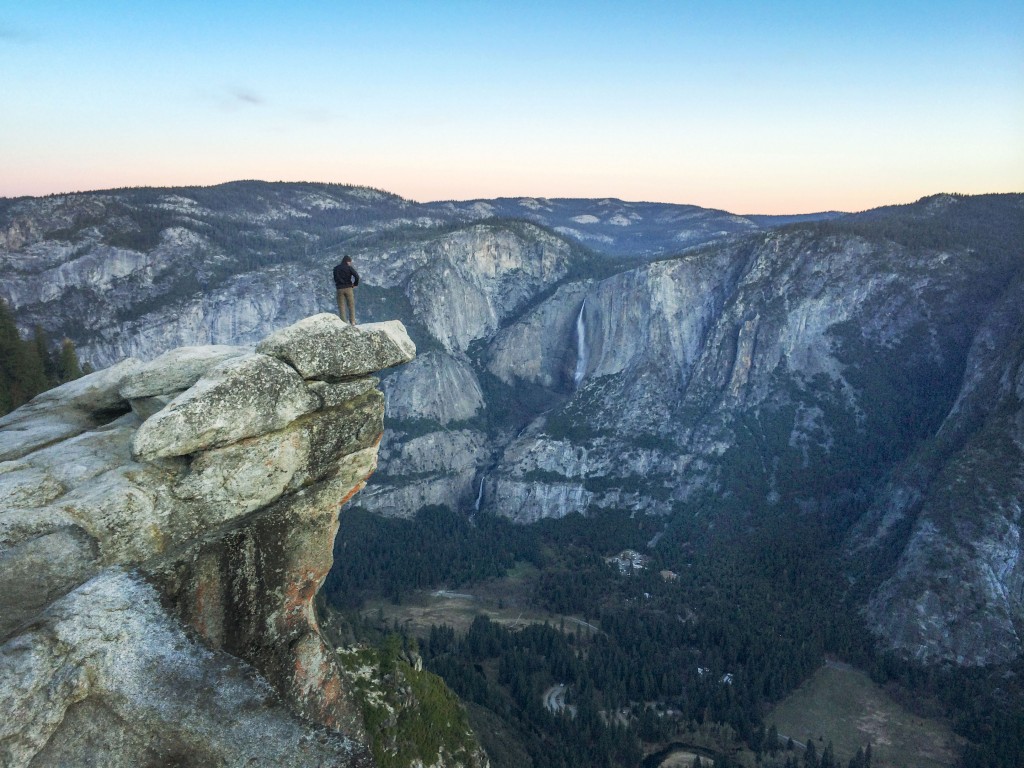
pixel 787 109
pixel 496 197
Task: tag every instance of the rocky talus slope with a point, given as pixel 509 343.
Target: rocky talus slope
pixel 164 529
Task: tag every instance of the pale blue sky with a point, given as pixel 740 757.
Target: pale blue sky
pixel 754 107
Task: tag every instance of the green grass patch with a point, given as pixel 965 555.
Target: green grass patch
pixel 842 705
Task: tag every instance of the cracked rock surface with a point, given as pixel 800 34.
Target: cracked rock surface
pixel 163 532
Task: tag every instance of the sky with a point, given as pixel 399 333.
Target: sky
pixel 753 107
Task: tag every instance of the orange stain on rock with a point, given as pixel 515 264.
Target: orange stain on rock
pixel 355 489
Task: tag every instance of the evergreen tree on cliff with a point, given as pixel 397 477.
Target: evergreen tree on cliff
pixel 21 369
pixel 28 367
pixel 68 367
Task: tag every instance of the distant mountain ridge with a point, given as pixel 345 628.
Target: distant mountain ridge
pixel 107 256
pixel 862 369
pixel 619 228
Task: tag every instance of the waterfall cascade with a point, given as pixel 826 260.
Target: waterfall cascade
pixel 479 495
pixel 581 348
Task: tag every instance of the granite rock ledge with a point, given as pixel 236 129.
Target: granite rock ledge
pixel 164 527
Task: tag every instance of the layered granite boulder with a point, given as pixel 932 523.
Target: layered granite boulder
pixel 164 528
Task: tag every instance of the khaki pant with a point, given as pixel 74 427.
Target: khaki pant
pixel 347 296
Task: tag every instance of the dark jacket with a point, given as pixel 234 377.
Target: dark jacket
pixel 345 276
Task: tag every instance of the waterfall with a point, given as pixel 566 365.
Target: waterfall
pixel 581 348
pixel 479 495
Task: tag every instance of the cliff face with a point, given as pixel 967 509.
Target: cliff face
pixel 862 372
pixel 473 280
pixel 164 530
pixel 957 590
pixel 139 272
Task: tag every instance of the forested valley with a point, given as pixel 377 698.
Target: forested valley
pixel 691 648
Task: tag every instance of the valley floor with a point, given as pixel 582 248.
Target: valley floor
pixel 502 600
pixel 839 703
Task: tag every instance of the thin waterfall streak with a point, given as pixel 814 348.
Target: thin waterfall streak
pixel 479 495
pixel 581 348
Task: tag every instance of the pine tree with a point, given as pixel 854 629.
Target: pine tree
pixel 828 759
pixel 28 367
pixel 42 343
pixel 10 344
pixel 68 367
pixel 811 754
pixel 22 375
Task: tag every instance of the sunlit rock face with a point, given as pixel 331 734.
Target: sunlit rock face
pixel 157 570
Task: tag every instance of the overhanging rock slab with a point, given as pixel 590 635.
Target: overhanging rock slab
pixel 325 347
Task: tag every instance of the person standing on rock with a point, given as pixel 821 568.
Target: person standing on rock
pixel 345 280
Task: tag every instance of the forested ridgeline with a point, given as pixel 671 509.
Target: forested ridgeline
pixel 31 366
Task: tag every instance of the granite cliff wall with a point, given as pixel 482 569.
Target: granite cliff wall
pixel 164 529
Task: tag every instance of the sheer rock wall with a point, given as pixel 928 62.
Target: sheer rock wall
pixel 164 529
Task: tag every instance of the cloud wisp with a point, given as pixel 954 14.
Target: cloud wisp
pixel 246 96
